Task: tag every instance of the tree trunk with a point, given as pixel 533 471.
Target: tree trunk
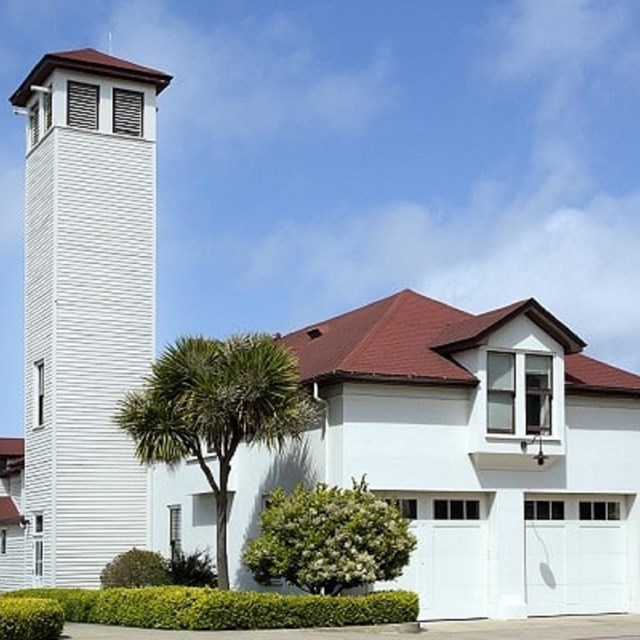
pixel 222 500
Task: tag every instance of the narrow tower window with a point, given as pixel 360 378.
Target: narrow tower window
pixel 538 382
pixel 128 107
pixel 47 110
pixel 38 546
pixel 82 105
pixel 34 124
pixel 3 541
pixel 39 393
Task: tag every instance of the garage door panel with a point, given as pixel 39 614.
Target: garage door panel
pixel 576 566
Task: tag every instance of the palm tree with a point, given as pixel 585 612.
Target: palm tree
pixel 210 394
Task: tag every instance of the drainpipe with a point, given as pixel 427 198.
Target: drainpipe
pixel 325 429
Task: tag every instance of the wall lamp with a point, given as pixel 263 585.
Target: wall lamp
pixel 24 521
pixel 540 456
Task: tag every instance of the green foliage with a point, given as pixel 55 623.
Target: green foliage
pixel 193 570
pixel 244 389
pixel 329 539
pixel 76 603
pixel 172 607
pixel 136 568
pixel 30 619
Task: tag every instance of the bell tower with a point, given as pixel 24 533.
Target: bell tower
pixel 90 258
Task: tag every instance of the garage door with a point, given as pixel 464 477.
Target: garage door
pixel 576 554
pixel 449 568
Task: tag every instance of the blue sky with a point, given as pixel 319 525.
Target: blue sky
pixel 314 156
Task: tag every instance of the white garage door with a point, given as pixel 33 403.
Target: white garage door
pixel 576 554
pixel 449 568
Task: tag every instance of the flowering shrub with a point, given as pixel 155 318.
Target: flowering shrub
pixel 329 539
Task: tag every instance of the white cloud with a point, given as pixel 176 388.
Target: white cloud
pixel 583 264
pixel 248 82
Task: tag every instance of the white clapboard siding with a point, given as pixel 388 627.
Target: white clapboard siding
pixel 39 327
pixel 11 562
pixel 105 256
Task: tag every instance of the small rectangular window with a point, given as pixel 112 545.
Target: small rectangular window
pixel 38 558
pixel 456 509
pixel 441 509
pixel 599 511
pixel 40 382
pixel 544 510
pixel 3 541
pixel 175 530
pixel 584 510
pixel 128 110
pixel 408 507
pixel 82 105
pixel 613 511
pixel 39 524
pixel 500 392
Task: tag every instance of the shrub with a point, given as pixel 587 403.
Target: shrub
pixel 77 604
pixel 136 568
pixel 30 619
pixel 193 570
pixel 329 539
pixel 172 607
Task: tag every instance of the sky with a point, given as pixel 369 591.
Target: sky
pixel 316 156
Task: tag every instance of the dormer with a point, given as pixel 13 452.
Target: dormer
pixel 90 91
pixel 517 353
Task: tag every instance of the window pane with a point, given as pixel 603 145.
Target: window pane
pixel 500 411
pixel 599 511
pixel 557 510
pixel 39 525
pixel 528 510
pixel 440 511
pixel 457 509
pixel 408 508
pixel 542 510
pixel 472 509
pixel 585 510
pixel 500 371
pixel 613 511
pixel 538 372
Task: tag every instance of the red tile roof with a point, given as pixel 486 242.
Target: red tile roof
pixel 387 339
pixel 586 374
pixel 90 61
pixel 12 447
pixel 8 510
pixel 408 337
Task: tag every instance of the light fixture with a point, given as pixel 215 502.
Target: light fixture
pixel 540 457
pixel 24 521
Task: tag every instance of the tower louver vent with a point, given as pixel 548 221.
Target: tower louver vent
pixel 34 125
pixel 82 105
pixel 47 107
pixel 127 112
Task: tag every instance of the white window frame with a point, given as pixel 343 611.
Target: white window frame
pixel 38 545
pixel 3 542
pixel 175 524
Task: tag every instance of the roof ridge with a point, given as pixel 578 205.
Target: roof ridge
pixel 373 331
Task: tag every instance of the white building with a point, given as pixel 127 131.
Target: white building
pixel 444 411
pixel 90 232
pixel 513 454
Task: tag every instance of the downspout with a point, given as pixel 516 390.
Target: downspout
pixel 325 429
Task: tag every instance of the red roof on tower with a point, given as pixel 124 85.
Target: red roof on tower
pixel 91 61
pixel 12 447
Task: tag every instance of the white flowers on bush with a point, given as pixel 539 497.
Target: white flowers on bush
pixel 328 539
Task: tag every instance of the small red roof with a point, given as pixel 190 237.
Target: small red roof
pixel 12 447
pixel 409 337
pixel 90 61
pixel 8 510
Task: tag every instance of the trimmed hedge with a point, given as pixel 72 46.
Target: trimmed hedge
pixel 195 608
pixel 77 604
pixel 30 619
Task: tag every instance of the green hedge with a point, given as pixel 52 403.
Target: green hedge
pixel 30 619
pixel 194 608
